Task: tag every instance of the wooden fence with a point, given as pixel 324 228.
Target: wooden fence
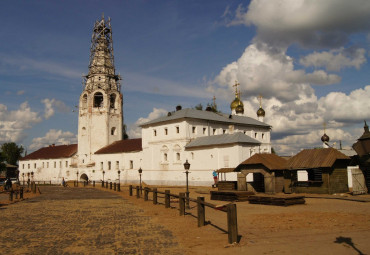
pixel 230 208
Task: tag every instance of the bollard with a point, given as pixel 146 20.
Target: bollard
pixel 21 193
pixel 232 223
pixel 119 187
pixel 201 212
pixel 110 185
pixel 11 195
pixel 137 192
pixel 146 192
pixel 93 183
pixel 182 203
pixel 155 196
pixel 130 190
pixel 114 186
pixel 167 199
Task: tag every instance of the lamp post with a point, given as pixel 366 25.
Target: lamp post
pixel 77 178
pixel 187 167
pixel 140 172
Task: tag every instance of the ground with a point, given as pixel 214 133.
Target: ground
pixel 321 226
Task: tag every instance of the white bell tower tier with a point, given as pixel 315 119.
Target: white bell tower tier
pixel 100 121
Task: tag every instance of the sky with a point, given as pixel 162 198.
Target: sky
pixel 307 59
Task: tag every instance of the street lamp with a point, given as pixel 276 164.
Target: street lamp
pixel 77 178
pixel 140 172
pixel 187 167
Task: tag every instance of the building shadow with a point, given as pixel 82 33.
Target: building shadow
pixel 348 240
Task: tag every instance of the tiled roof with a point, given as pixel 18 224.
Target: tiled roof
pixel 129 145
pixel 53 151
pixel 237 137
pixel 209 116
pixel 314 158
pixel 270 161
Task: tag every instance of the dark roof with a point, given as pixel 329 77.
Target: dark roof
pixel 53 151
pixel 315 158
pixel 270 161
pixel 129 145
pixel 237 137
pixel 208 115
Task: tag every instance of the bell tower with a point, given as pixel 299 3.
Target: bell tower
pixel 100 119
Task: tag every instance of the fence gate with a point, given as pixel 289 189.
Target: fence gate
pixel 358 182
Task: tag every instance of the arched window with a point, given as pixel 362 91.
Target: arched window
pixel 84 101
pixel 112 101
pixel 98 99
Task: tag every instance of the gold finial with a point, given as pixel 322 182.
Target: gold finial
pixel 260 100
pixel 236 87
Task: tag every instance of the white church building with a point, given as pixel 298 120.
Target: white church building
pixel 209 140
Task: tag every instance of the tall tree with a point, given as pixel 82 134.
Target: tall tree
pixel 11 152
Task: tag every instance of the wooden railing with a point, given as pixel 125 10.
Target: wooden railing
pixel 230 208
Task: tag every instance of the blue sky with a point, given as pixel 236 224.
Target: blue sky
pixel 299 57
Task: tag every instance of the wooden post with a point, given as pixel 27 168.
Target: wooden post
pixel 201 212
pixel 146 192
pixel 137 191
pixel 182 203
pixel 11 195
pixel 232 223
pixel 155 196
pixel 21 193
pixel 115 186
pixel 118 187
pixel 167 199
pixel 130 190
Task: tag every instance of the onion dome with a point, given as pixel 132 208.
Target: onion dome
pixel 240 108
pixel 325 138
pixel 261 112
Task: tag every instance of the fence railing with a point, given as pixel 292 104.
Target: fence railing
pixel 230 209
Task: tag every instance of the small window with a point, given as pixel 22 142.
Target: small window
pixel 131 164
pixel 177 130
pixel 204 131
pixel 109 165
pixel 155 132
pixel 193 130
pixel 166 131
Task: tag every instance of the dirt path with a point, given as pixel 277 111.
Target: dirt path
pixel 81 221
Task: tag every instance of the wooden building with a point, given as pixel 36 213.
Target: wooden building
pixel 268 173
pixel 326 170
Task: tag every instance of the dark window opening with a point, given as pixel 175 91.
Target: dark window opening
pixel 98 99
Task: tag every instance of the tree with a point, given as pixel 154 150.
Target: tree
pixel 11 152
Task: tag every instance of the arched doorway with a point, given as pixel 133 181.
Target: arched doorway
pixel 84 177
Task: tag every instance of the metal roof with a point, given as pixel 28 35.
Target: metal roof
pixel 120 146
pixel 270 161
pixel 315 158
pixel 237 137
pixel 209 116
pixel 53 151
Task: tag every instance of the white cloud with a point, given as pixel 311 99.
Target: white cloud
pixel 50 104
pixel 13 123
pixel 313 23
pixel 335 60
pixel 53 137
pixel 134 130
